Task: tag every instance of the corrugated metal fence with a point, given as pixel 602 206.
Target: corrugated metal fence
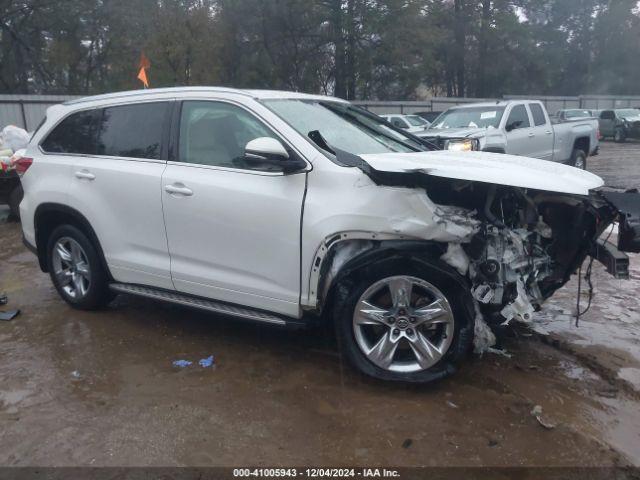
pixel 26 111
pixel 553 104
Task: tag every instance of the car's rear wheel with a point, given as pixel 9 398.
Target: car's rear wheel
pixel 401 324
pixel 76 270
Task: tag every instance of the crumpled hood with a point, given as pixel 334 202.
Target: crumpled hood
pixel 454 132
pixel 633 119
pixel 493 168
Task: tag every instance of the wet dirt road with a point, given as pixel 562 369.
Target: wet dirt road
pixel 80 388
pixel 100 389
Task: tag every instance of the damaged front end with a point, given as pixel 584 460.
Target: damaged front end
pixel 528 246
pixel 528 241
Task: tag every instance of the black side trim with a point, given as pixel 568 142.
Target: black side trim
pixel 30 247
pixel 410 179
pixel 493 150
pixel 45 212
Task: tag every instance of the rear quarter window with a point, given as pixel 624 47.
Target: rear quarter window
pixel 75 134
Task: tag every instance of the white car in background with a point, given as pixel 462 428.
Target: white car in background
pixel 414 124
pixel 290 209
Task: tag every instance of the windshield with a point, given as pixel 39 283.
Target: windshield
pixel 343 126
pixel 577 114
pixel 628 112
pixel 416 121
pixel 470 117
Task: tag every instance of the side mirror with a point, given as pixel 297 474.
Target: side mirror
pixel 513 125
pixel 270 152
pixel 264 148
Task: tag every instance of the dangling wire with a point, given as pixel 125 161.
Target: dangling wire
pixel 587 277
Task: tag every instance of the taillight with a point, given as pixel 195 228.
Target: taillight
pixel 598 134
pixel 23 164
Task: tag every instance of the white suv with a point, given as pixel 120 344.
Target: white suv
pixel 287 208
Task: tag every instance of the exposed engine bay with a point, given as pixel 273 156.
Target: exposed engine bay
pixel 516 245
pixel 527 245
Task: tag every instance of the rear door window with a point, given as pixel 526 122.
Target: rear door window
pixel 133 131
pixel 75 134
pixel 537 114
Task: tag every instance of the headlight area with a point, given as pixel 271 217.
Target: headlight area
pixel 462 145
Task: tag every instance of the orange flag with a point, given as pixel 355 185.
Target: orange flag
pixel 142 74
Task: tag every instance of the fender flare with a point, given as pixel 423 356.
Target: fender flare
pixel 375 247
pixel 45 210
pixel 418 252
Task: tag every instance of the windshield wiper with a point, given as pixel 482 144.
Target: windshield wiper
pixel 350 117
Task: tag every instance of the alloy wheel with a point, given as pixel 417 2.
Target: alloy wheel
pixel 403 324
pixel 71 267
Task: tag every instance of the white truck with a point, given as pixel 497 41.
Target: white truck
pixel 517 127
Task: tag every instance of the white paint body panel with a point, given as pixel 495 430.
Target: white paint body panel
pixel 237 238
pixel 495 168
pixel 123 206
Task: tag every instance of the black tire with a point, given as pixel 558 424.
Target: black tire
pixel 619 136
pixel 98 294
pixel 15 197
pixel 578 159
pixel 349 292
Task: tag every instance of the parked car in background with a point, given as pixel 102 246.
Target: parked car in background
pixel 620 123
pixel 428 116
pixel 518 127
pixel 572 114
pixel 414 124
pixel 290 209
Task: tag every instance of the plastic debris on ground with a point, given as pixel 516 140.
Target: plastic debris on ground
pixel 203 362
pixel 9 315
pixel 206 362
pixel 537 413
pixel 182 363
pixel 3 298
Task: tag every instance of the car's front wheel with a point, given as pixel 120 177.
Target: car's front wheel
pixel 76 270
pixel 402 324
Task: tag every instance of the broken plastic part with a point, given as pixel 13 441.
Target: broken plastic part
pixel 483 336
pixel 521 307
pixel 456 257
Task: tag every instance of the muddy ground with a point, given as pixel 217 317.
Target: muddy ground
pixel 100 388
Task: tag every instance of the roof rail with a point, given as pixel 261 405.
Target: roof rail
pixel 137 93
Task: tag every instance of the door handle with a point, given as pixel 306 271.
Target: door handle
pixel 178 189
pixel 86 174
pixel 531 135
pixel 548 132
